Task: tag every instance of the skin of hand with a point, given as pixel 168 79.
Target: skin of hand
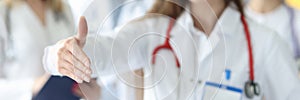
pixel 88 91
pixel 71 59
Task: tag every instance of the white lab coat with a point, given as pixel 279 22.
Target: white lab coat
pixel 29 38
pixel 279 20
pixel 202 59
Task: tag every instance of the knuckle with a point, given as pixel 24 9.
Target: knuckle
pixel 72 66
pixel 72 41
pixel 66 44
pixel 69 40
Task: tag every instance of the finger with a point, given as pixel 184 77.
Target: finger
pixel 81 75
pixel 75 71
pixel 82 31
pixel 70 74
pixel 68 56
pixel 78 52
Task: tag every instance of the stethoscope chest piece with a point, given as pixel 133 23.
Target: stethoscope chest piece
pixel 252 89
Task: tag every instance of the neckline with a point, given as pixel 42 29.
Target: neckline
pixel 35 16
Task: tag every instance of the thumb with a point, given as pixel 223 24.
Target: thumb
pixel 82 31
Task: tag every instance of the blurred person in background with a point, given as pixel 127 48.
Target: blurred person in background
pixel 30 26
pixel 277 15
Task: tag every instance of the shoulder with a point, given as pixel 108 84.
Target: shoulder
pixel 147 23
pixel 152 20
pixel 270 47
pixel 266 38
pixel 260 31
pixel 18 6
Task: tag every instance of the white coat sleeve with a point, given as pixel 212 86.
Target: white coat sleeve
pixel 281 81
pixel 108 54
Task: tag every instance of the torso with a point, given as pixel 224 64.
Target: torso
pixel 202 58
pixel 30 37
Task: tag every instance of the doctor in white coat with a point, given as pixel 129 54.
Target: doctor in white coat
pixel 221 54
pixel 276 15
pixel 27 27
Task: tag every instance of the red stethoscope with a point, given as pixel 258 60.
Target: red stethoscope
pixel 251 87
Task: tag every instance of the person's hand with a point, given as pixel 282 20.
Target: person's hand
pixel 71 59
pixel 88 91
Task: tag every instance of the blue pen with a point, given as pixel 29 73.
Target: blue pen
pixel 227 74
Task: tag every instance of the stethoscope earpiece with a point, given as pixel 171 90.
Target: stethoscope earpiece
pixel 252 89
